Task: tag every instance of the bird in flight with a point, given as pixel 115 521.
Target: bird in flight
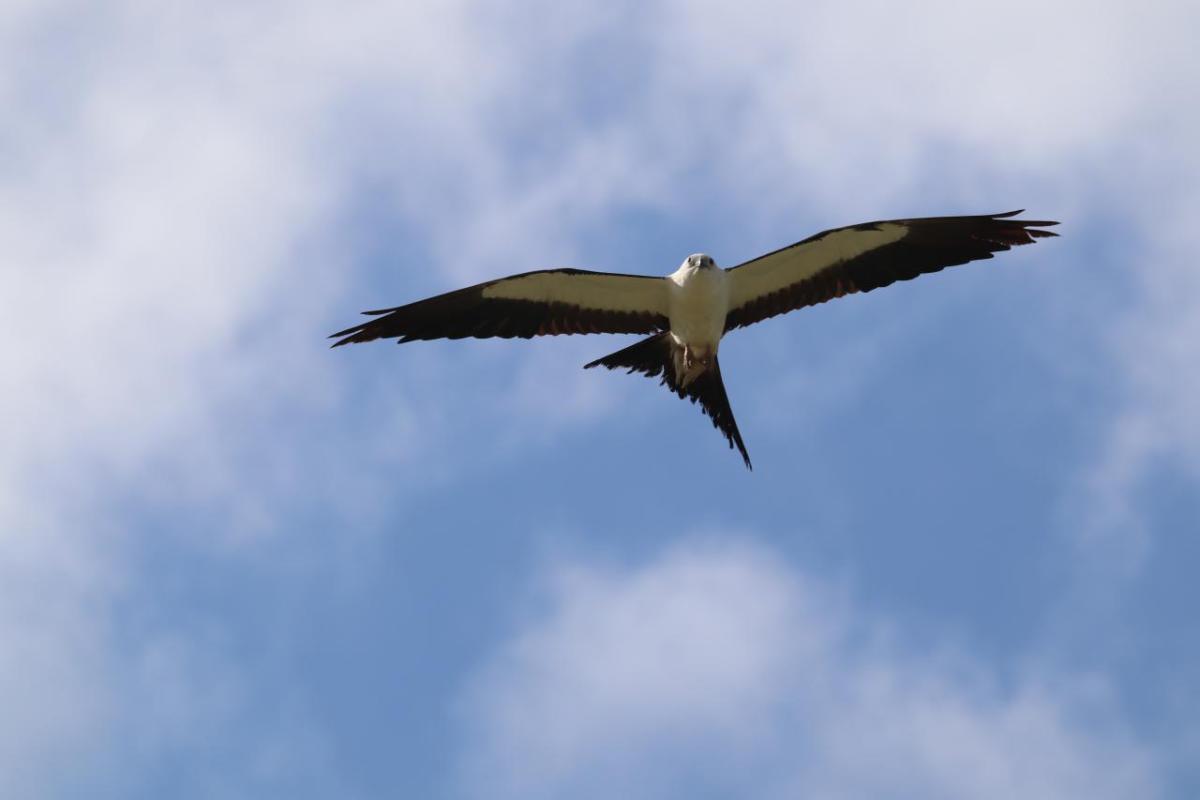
pixel 687 312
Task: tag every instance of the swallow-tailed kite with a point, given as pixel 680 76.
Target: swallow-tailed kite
pixel 687 312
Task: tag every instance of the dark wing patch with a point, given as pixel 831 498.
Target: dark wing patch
pixel 654 357
pixel 929 244
pixel 469 313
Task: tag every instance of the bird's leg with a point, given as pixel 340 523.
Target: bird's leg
pixel 697 357
pixel 691 362
pixel 682 358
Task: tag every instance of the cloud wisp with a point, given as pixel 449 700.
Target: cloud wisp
pixel 721 669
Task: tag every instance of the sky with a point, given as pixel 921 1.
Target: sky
pixel 236 564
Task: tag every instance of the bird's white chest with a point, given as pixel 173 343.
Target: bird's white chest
pixel 699 301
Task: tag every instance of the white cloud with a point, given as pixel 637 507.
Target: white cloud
pixel 51 649
pixel 1039 88
pixel 173 238
pixel 1156 346
pixel 718 669
pixel 165 210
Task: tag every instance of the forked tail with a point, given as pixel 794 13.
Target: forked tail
pixel 654 356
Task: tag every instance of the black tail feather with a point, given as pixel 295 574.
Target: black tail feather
pixel 651 356
pixel 654 356
pixel 709 390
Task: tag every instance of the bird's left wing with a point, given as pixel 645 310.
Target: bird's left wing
pixel 863 257
pixel 548 302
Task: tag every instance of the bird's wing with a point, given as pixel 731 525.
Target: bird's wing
pixel 548 302
pixel 863 257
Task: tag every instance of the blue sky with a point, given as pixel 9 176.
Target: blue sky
pixel 234 563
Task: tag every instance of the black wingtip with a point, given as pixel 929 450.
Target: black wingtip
pixel 1028 223
pixel 345 337
pixel 1010 214
pixel 1010 232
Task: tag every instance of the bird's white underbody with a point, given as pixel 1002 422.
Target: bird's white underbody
pixel 697 305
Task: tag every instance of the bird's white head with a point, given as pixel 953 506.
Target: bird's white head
pixel 700 261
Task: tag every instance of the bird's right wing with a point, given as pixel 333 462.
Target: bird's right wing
pixel 548 302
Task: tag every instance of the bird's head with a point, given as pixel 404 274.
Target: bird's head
pixel 700 261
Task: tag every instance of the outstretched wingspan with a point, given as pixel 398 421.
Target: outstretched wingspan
pixel 547 302
pixel 863 257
